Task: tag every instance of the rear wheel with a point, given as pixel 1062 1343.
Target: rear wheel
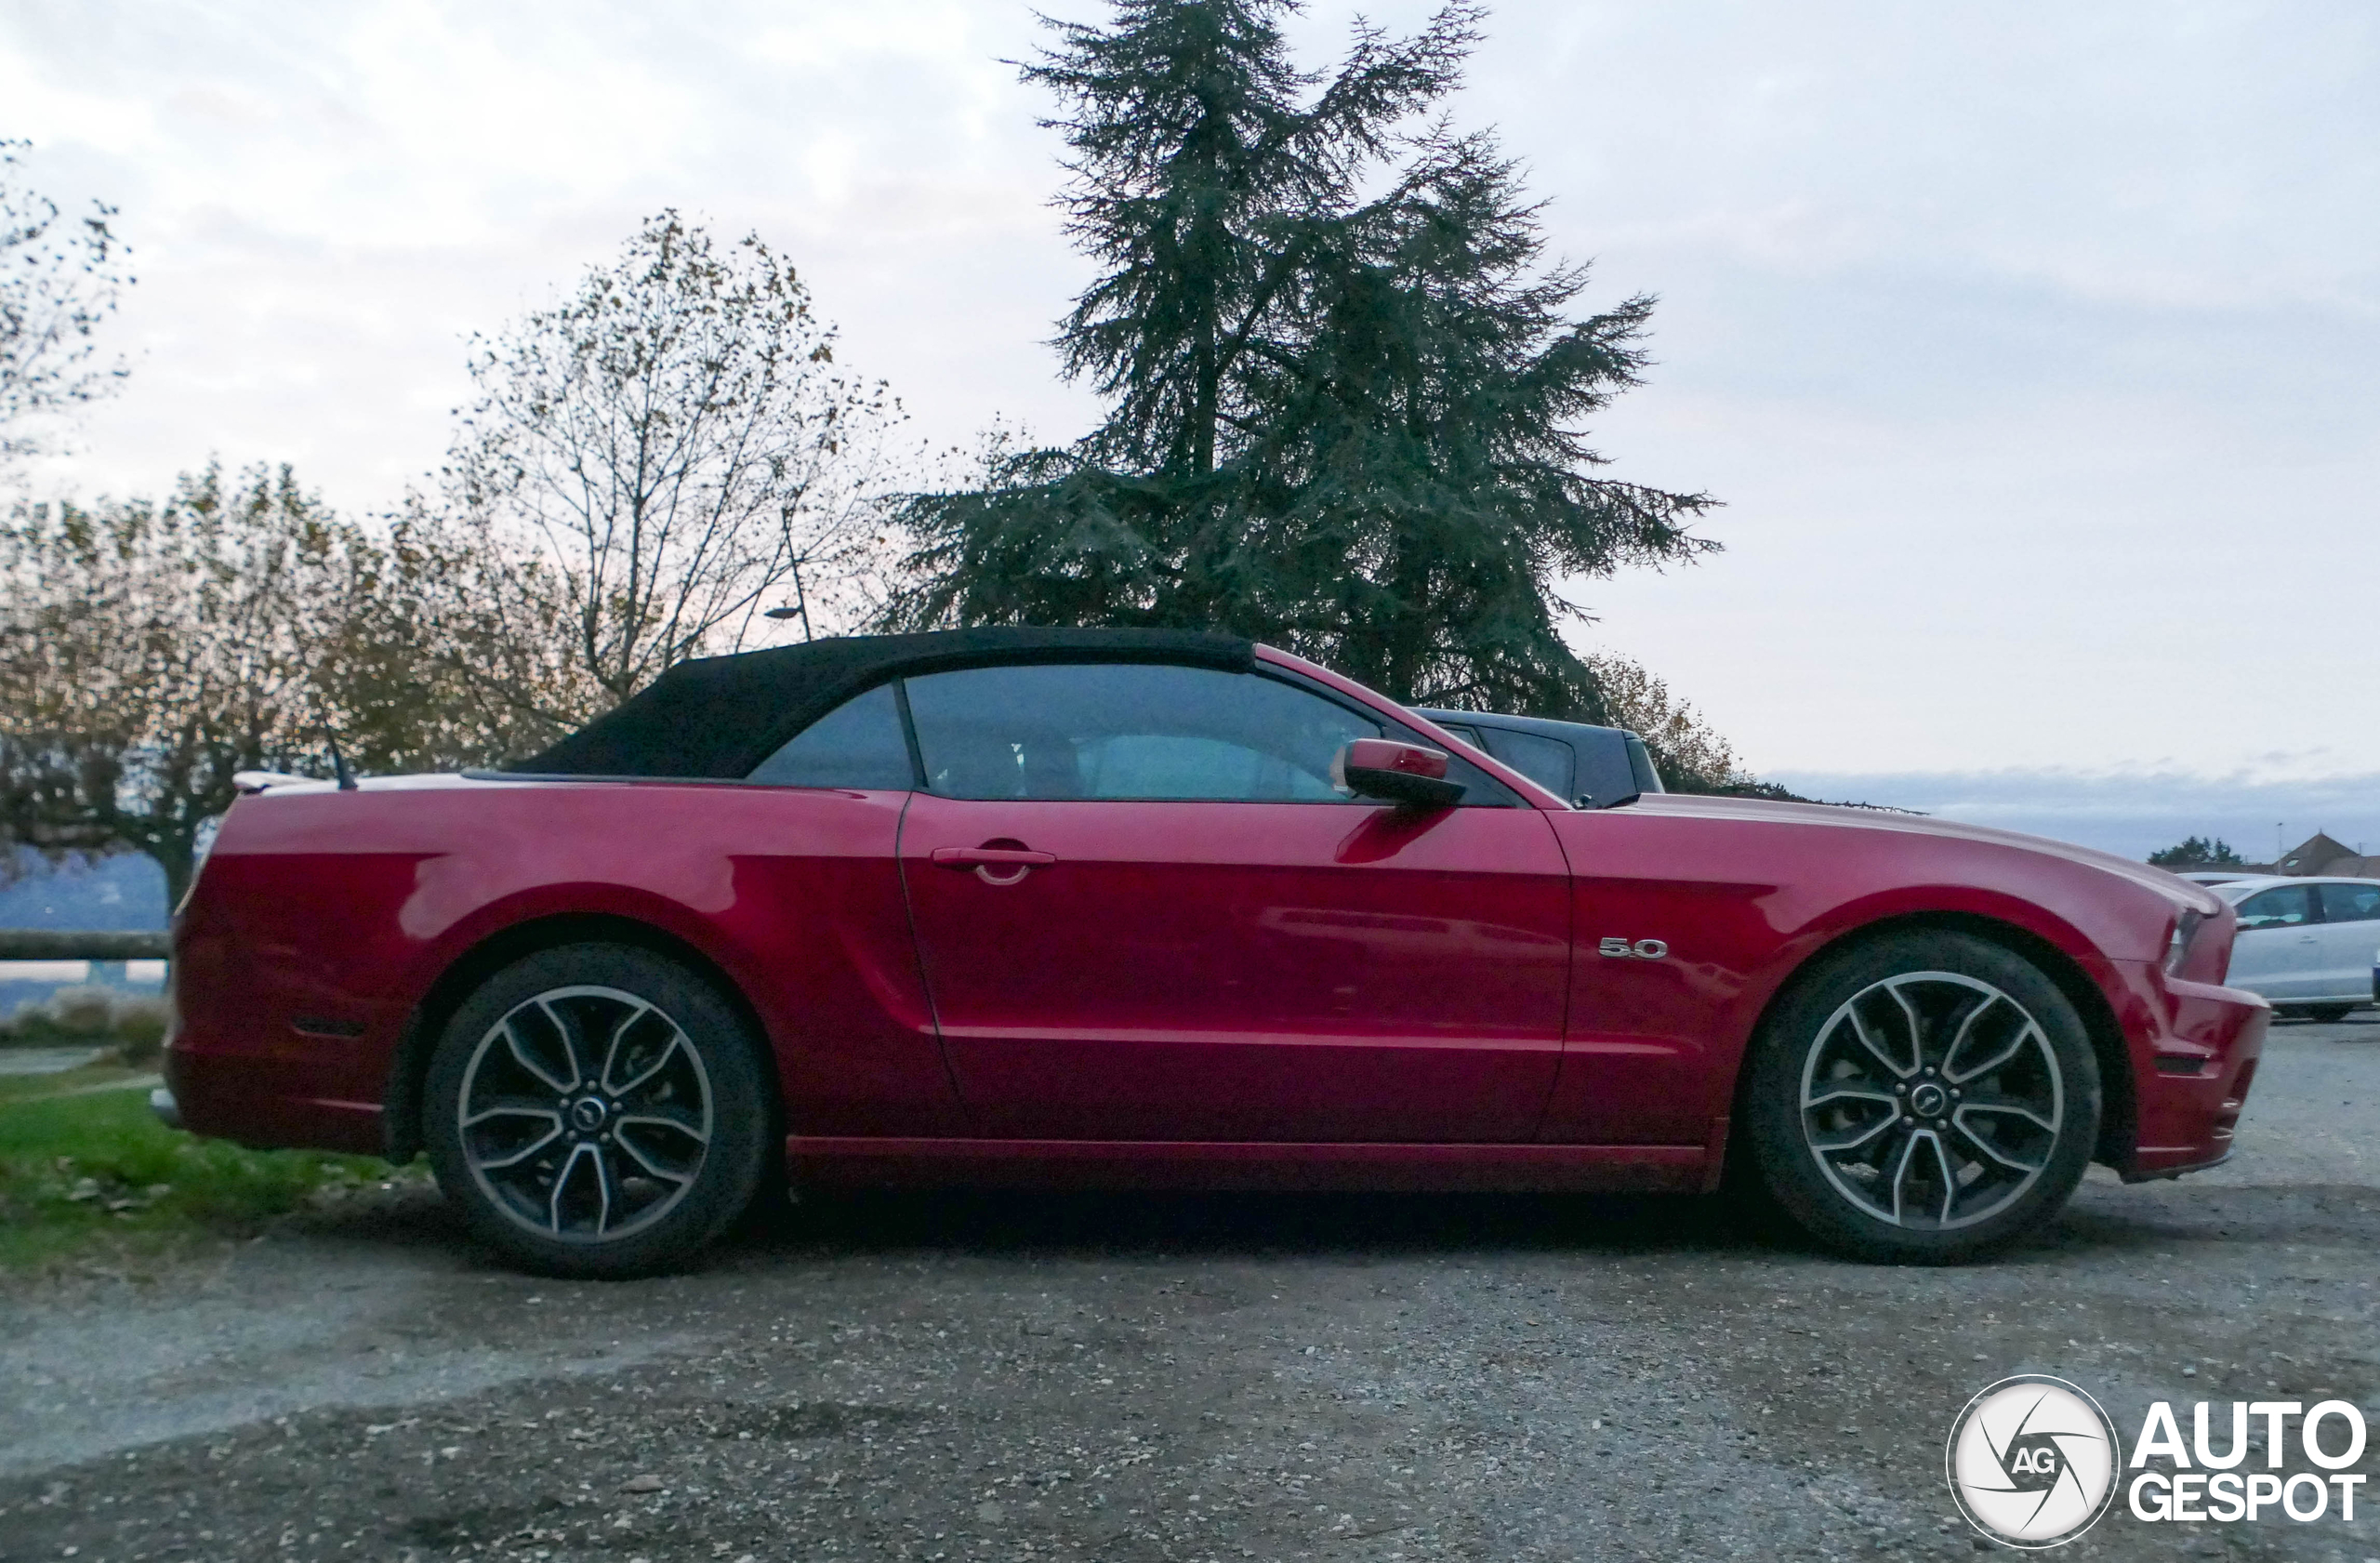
pixel 1923 1097
pixel 598 1110
pixel 2328 1013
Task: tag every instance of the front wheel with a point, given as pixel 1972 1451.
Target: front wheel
pixel 2328 1015
pixel 598 1110
pixel 1923 1097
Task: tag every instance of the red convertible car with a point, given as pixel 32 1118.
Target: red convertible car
pixel 1082 906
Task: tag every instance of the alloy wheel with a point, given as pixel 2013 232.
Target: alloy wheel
pixel 584 1114
pixel 1932 1100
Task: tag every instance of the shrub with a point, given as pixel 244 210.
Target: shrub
pixel 92 1016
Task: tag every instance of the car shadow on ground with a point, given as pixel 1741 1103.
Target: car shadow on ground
pixel 2104 1220
pixel 1152 1224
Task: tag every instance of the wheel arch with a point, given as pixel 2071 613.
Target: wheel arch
pixel 2118 1111
pixel 409 1069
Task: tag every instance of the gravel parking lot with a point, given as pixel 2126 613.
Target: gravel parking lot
pixel 1132 1378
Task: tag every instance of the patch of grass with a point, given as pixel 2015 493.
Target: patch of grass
pixel 87 1170
pixel 100 1073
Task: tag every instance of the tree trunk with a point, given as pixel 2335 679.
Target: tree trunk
pixel 178 855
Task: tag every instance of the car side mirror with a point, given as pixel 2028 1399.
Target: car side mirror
pixel 1400 772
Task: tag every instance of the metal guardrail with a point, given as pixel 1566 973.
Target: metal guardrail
pixel 56 944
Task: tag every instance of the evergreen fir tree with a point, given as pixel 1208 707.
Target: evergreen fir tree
pixel 1345 422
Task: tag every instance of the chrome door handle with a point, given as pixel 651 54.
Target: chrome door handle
pixel 994 864
pixel 972 857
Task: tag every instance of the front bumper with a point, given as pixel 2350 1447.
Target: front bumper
pixel 2194 1056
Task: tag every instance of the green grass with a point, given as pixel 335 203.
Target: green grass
pixel 86 1172
pixel 105 1072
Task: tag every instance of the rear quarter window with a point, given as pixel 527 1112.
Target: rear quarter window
pixel 859 744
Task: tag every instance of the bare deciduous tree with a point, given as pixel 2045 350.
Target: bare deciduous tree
pixel 58 282
pixel 653 465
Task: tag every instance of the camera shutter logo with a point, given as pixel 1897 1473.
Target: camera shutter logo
pixel 2033 1462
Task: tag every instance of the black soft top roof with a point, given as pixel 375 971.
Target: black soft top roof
pixel 717 717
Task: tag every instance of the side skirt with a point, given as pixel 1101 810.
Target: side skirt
pixel 871 1163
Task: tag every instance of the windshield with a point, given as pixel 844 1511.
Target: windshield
pixel 2236 891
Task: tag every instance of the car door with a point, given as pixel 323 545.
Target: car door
pixel 1145 913
pixel 2276 951
pixel 2349 933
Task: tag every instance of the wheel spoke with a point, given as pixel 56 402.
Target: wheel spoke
pixel 1916 1026
pixel 632 1087
pixel 652 1168
pixel 2025 1033
pixel 569 1034
pixel 514 1158
pixel 1859 1029
pixel 524 1056
pixel 2007 1109
pixel 1967 1029
pixel 612 1046
pixel 1858 1139
pixel 579 1152
pixel 1997 1155
pixel 513 1106
pixel 1900 1176
pixel 1950 1174
pixel 1854 1093
pixel 669 1118
pixel 606 1186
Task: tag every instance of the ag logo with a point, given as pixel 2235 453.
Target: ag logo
pixel 2033 1462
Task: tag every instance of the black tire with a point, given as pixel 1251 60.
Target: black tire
pixel 652 1150
pixel 2328 1015
pixel 1867 1143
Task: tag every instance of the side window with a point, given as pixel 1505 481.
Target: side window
pixel 1126 730
pixel 2350 902
pixel 1604 775
pixel 1640 762
pixel 1547 761
pixel 1467 733
pixel 858 744
pixel 2283 907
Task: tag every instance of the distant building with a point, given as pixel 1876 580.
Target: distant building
pixel 2318 856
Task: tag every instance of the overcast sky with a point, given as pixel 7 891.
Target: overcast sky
pixel 2036 348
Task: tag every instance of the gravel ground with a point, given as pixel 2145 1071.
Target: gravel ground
pixel 1141 1378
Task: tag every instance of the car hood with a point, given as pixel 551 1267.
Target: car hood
pixel 2181 894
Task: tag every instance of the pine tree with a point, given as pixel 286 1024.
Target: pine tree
pixel 1345 396
pixel 2198 852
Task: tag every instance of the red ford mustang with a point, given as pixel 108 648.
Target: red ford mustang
pixel 1110 907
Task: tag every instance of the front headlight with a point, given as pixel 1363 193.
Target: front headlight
pixel 2177 948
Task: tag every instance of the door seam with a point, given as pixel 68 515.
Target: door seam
pixel 917 954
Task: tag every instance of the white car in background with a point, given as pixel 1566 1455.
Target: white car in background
pixel 2310 945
